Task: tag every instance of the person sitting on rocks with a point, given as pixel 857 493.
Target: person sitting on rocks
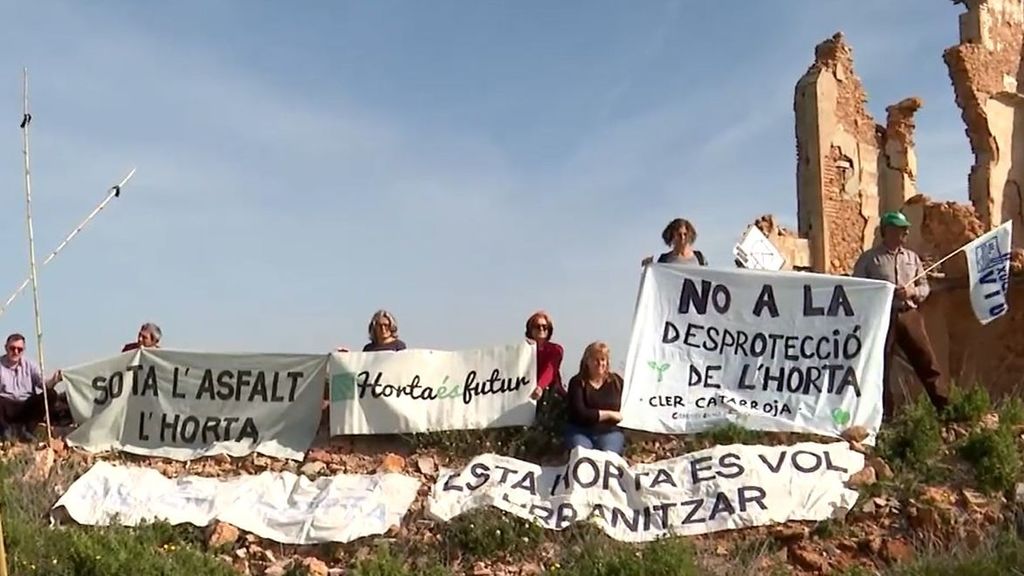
pixel 383 331
pixel 595 398
pixel 22 405
pixel 679 235
pixel 149 337
pixel 539 330
pixel 550 390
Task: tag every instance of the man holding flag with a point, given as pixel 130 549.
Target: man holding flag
pixel 893 262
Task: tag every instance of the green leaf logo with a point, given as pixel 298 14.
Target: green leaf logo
pixel 660 369
pixel 343 387
pixel 840 416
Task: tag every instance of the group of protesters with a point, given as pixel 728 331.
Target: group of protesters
pixel 592 397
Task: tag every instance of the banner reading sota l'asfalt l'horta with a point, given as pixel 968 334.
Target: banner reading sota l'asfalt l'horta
pixel 185 405
pixel 776 351
pixel 432 390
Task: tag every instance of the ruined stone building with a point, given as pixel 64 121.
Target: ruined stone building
pixel 850 169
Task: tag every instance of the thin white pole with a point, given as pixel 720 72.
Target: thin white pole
pixel 26 119
pixel 115 191
pixel 934 266
pixel 3 551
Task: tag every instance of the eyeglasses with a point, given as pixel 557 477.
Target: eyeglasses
pixel 542 327
pixel 16 348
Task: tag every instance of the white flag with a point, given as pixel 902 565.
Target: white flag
pixel 988 263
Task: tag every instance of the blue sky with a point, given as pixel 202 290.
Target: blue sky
pixel 459 163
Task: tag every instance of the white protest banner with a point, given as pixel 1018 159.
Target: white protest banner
pixel 279 506
pixel 722 488
pixel 432 390
pixel 184 405
pixel 779 351
pixel 988 267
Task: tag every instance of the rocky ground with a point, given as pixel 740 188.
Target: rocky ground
pixel 933 485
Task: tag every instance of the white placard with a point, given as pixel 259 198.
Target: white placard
pixel 432 390
pixel 722 488
pixel 280 506
pixel 184 405
pixel 779 351
pixel 756 252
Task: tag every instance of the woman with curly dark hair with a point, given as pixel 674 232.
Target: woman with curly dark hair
pixel 679 235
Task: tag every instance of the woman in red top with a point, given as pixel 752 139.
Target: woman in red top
pixel 539 330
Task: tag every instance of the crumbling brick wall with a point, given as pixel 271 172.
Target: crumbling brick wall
pixel 898 166
pixel 985 68
pixel 849 169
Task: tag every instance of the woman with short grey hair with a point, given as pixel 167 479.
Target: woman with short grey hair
pixel 383 332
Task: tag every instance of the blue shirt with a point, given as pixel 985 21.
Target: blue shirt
pixel 20 381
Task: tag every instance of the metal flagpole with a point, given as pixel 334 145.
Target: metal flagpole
pixel 3 551
pixel 26 119
pixel 115 191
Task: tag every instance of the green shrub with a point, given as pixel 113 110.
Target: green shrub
pixel 490 533
pixel 748 553
pixel 912 442
pixel 35 549
pixel 853 571
pixel 529 443
pixel 1001 556
pixel 829 528
pixel 666 557
pixel 994 456
pixel 731 433
pixel 1011 413
pixel 967 406
pixel 386 563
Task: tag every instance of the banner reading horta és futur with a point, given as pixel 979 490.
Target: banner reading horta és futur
pixel 779 351
pixel 432 390
pixel 185 405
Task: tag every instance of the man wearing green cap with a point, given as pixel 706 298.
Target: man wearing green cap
pixel 893 262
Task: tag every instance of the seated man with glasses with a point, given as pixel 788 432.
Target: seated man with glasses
pixel 22 387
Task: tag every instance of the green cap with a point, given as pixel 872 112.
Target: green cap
pixel 896 219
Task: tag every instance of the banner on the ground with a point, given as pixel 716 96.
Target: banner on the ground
pixel 780 351
pixel 722 488
pixel 279 506
pixel 988 267
pixel 432 390
pixel 184 405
